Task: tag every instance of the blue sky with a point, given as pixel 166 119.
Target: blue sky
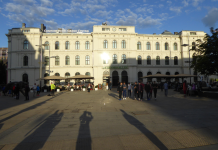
pixel 148 16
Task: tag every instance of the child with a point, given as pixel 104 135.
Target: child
pixel 38 90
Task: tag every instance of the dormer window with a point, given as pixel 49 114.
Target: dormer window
pixel 105 29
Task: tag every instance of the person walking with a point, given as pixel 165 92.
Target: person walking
pixel 147 89
pixel 129 90
pixel 154 86
pixel 166 88
pixel 27 89
pixel 52 89
pixel 17 90
pixel 184 88
pixel 150 94
pixel 38 90
pixel 13 91
pixel 110 85
pixel 140 88
pixel 34 89
pixel 89 87
pixel 135 90
pixel 120 90
pixel 124 90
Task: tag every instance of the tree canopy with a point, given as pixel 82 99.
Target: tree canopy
pixel 205 57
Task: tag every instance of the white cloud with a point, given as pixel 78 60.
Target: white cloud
pixel 25 2
pixel 46 3
pixel 195 3
pixel 11 7
pixel 80 25
pixel 141 9
pixel 148 22
pixel 161 5
pixel 211 18
pixel 214 0
pixel 105 14
pixel 169 2
pixel 185 3
pixel 176 9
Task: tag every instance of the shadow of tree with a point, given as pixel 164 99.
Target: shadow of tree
pixel 140 126
pixel 84 140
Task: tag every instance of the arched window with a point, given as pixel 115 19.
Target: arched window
pixel 123 44
pixel 140 75
pixel 175 46
pixel 167 61
pixel 114 44
pixel 46 81
pixel 114 59
pixel 157 46
pixel 56 45
pixel 77 60
pixel 25 44
pixel 67 45
pixel 77 73
pixel 87 74
pixel 175 60
pixel 67 75
pixel 148 60
pixel 148 46
pixel 46 61
pixel 87 60
pixel 67 60
pixel 105 44
pixel 77 44
pixel 139 60
pixel 123 59
pixel 25 77
pixel 193 46
pixel 138 45
pixel 87 45
pixel 57 61
pixel 166 46
pixel 25 61
pixel 158 60
pixel 47 45
pixel 57 81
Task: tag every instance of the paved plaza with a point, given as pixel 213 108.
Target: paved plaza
pixel 99 121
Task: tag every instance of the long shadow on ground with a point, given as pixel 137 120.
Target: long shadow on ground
pixel 140 126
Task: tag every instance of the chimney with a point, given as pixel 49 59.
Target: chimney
pixel 175 33
pixel 23 25
pixel 43 28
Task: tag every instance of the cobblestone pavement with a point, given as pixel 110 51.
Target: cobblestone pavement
pixel 99 121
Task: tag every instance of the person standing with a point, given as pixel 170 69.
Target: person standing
pixel 34 90
pixel 13 91
pixel 124 90
pixel 154 86
pixel 38 90
pixel 129 90
pixel 89 87
pixel 110 85
pixel 120 90
pixel 17 90
pixel 147 89
pixel 27 89
pixel 52 89
pixel 166 88
pixel 150 94
pixel 184 88
pixel 140 88
pixel 135 90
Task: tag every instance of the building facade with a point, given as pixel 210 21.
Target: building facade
pixel 114 52
pixel 4 54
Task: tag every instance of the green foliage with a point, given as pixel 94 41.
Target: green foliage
pixel 96 86
pixel 3 72
pixel 205 57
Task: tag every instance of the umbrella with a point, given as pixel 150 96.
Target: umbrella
pixel 157 76
pixel 81 77
pixel 184 75
pixel 52 78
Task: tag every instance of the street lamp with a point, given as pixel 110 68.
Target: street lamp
pixel 189 58
pixel 40 71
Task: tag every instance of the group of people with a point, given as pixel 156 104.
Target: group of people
pixel 136 90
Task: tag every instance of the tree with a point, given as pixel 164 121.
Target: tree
pixel 3 73
pixel 205 57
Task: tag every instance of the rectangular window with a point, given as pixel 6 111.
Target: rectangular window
pixel 105 29
pixel 122 29
pixel 193 33
pixel 26 30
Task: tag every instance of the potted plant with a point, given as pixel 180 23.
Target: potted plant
pixel 96 88
pixel 84 88
pixel 58 89
pixel 72 89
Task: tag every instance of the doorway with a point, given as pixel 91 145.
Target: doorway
pixel 115 78
pixel 124 77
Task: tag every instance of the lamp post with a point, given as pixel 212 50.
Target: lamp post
pixel 189 58
pixel 40 71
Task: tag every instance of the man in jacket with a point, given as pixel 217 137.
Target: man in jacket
pixel 120 90
pixel 109 85
pixel 147 89
pixel 140 91
pixel 52 89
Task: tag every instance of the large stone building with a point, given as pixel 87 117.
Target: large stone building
pixel 109 51
pixel 4 54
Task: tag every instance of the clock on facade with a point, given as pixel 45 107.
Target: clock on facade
pixel 114 29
